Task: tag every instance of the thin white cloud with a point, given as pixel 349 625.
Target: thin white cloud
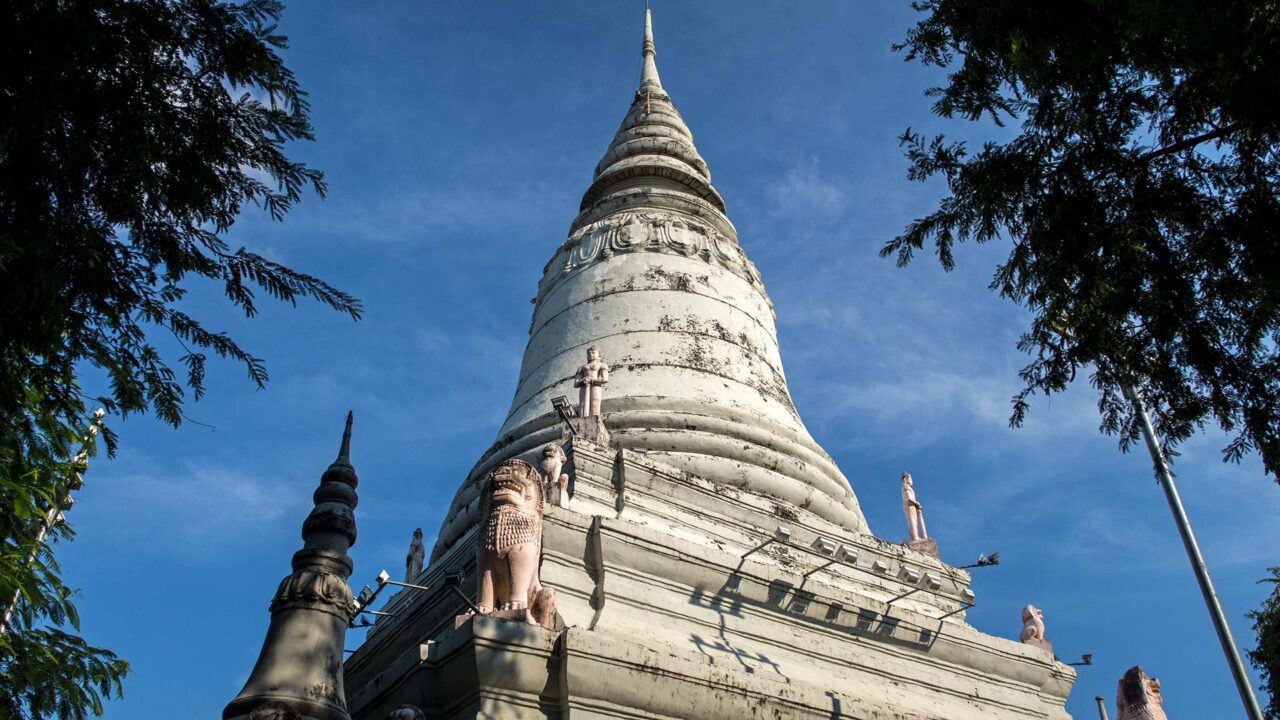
pixel 193 512
pixel 803 193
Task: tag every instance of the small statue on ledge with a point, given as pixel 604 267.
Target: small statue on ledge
pixel 510 546
pixel 413 561
pixel 591 379
pixel 1033 629
pixel 913 510
pixel 917 536
pixel 555 484
pixel 1138 697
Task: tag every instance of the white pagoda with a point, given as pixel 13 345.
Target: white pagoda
pixel 711 561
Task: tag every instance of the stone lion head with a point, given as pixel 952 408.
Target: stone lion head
pixel 515 484
pixel 1137 689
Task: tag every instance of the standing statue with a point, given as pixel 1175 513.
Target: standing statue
pixel 555 484
pixel 510 546
pixel 1033 629
pixel 1138 697
pixel 413 561
pixel 913 510
pixel 591 379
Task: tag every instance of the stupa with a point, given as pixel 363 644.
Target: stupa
pixel 708 559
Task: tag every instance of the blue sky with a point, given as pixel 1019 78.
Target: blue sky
pixel 457 139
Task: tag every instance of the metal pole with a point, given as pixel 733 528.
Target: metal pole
pixel 1165 477
pixel 1102 709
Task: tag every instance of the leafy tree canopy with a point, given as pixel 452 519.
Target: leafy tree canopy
pixel 1266 623
pixel 46 672
pixel 132 134
pixel 1139 196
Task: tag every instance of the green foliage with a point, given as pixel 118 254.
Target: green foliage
pixel 132 134
pixel 1266 657
pixel 1139 195
pixel 45 672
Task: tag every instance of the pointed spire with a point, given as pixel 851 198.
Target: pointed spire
pixel 311 609
pixel 649 80
pixel 340 470
pixel 652 148
pixel 344 453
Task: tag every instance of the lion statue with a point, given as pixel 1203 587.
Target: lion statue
pixel 1033 628
pixel 510 545
pixel 1138 697
pixel 555 483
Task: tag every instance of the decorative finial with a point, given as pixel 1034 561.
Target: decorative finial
pixel 310 611
pixel 649 74
pixel 344 453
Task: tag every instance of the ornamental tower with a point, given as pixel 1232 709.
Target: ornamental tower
pixel 299 670
pixel 705 557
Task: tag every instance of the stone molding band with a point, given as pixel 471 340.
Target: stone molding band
pixel 814 482
pixel 314 590
pixel 648 230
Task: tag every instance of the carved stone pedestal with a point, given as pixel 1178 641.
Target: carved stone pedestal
pixel 928 546
pixel 542 611
pixel 591 428
pixel 1042 643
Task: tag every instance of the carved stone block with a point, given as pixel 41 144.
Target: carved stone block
pixel 590 428
pixel 928 546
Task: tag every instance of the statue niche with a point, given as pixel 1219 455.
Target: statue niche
pixel 510 546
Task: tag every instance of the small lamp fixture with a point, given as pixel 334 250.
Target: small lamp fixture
pixel 561 405
pixel 984 560
pixel 1085 659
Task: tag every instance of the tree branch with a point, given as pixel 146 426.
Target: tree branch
pixel 1190 142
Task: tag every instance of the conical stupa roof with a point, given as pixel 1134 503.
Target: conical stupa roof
pixel 653 276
